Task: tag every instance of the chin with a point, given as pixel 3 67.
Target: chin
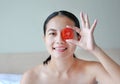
pixel 61 55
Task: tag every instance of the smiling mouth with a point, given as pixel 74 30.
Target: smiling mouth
pixel 59 49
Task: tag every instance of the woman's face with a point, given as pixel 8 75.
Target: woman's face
pixel 56 46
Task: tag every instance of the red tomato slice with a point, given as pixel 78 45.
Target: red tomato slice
pixel 67 33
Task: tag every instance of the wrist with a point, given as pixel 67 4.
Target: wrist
pixel 95 50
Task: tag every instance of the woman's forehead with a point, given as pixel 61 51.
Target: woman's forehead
pixel 59 22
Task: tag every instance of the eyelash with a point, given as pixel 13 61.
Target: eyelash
pixel 52 33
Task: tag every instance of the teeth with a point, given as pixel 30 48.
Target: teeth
pixel 61 48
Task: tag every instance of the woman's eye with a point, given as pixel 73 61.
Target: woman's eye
pixel 52 33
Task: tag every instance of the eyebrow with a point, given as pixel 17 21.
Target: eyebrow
pixel 51 30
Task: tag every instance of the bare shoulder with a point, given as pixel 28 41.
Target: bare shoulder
pixel 31 75
pixel 96 69
pixel 93 66
pixel 89 64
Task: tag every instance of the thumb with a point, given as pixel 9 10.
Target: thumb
pixel 75 42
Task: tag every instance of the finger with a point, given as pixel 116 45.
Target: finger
pixel 87 21
pixel 75 42
pixel 82 19
pixel 93 25
pixel 68 26
pixel 76 29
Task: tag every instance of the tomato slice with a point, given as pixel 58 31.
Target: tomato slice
pixel 67 33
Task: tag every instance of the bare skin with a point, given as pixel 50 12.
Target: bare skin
pixel 63 68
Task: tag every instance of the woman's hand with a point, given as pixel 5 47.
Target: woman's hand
pixel 86 40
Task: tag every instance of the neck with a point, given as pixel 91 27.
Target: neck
pixel 62 65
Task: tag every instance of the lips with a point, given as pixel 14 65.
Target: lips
pixel 60 49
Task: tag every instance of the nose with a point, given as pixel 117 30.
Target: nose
pixel 59 39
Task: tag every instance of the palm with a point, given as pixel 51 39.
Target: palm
pixel 86 41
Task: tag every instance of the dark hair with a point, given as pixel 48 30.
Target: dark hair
pixel 64 13
pixel 56 13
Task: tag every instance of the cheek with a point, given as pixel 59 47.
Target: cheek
pixel 48 41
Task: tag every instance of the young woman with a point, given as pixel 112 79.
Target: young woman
pixel 62 66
